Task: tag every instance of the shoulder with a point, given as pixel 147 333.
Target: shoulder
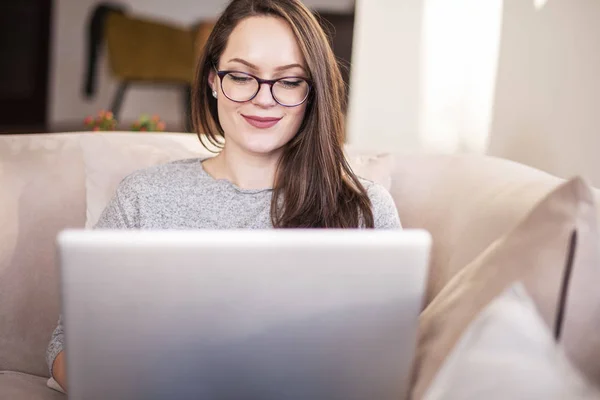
pixel 160 176
pixel 385 213
pixel 144 186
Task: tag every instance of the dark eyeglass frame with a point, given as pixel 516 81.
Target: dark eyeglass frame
pixel 270 82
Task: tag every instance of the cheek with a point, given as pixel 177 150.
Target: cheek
pixel 227 112
pixel 296 117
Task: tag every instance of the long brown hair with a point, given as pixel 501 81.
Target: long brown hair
pixel 314 182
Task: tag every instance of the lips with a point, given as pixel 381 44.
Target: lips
pixel 261 122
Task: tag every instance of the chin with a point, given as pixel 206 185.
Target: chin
pixel 261 148
pixel 256 144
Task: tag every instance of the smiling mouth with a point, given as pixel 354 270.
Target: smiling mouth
pixel 261 122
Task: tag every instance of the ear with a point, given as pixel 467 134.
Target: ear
pixel 212 79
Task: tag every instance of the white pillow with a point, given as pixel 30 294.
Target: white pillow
pixel 376 167
pixel 110 157
pixel 507 352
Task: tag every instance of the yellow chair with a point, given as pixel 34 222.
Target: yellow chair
pixel 142 51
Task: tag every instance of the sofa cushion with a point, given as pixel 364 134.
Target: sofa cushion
pixel 508 352
pixel 536 252
pixel 466 202
pixel 20 386
pixel 41 192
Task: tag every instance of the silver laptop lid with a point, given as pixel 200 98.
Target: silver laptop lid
pixel 274 314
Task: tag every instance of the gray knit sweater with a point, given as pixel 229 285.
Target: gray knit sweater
pixel 182 195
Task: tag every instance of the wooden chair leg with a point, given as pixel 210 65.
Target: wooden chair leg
pixel 118 99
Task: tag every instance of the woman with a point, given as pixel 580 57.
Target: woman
pixel 268 83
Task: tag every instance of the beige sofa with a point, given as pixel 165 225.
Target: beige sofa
pixel 466 202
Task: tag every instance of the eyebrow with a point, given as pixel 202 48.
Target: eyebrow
pixel 254 67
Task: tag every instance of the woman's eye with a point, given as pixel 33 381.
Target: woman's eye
pixel 291 83
pixel 239 78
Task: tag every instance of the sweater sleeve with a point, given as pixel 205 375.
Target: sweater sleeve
pixel 56 345
pixel 385 213
pixel 122 211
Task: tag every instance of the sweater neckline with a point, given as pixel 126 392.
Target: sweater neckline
pixel 227 183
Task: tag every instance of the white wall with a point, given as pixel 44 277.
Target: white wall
pixel 68 106
pixel 384 92
pixel 519 79
pixel 459 55
pixel 547 104
pixel 423 74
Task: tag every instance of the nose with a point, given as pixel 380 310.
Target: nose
pixel 264 98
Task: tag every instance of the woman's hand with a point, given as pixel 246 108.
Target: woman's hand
pixel 59 370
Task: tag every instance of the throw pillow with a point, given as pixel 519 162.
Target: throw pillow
pixel 535 252
pixel 376 167
pixel 508 352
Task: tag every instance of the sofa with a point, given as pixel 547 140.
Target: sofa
pixel 49 182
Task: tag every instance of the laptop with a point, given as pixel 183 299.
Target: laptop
pixel 267 314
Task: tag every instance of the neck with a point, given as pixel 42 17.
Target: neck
pixel 245 170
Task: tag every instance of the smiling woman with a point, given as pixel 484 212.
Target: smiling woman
pixel 270 84
pixel 269 92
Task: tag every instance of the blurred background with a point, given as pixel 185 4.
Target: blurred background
pixel 518 79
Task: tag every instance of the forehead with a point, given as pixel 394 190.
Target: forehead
pixel 267 42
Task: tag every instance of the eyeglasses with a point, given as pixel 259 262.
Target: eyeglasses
pixel 290 91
